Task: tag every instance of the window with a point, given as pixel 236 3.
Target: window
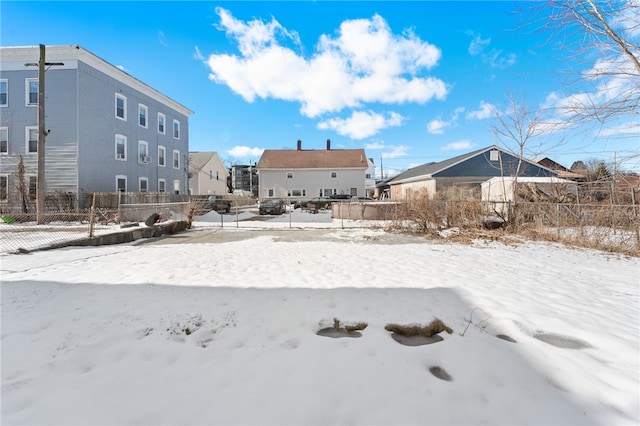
pixel 162 185
pixel 143 184
pixel 4 140
pixel 327 192
pixel 32 139
pixel 121 183
pixel 334 175
pixel 143 112
pixel 33 185
pixel 289 175
pixel 176 187
pixel 4 187
pixel 176 159
pixel 4 94
pixel 493 155
pixel 32 91
pixel 121 107
pixel 121 147
pixel 270 193
pixel 298 193
pixel 143 152
pixel 353 192
pixel 162 154
pixel 161 119
pixel 367 176
pixel 176 129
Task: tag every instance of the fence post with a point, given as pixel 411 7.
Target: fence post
pixel 92 216
pixel 635 213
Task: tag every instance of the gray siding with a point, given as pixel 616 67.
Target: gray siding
pixel 80 112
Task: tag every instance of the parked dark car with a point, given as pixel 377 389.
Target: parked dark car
pixel 217 203
pixel 316 203
pixel 272 206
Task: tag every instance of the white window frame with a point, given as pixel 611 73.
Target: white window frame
pixel 27 86
pixel 334 175
pixel 4 137
pixel 143 180
pixel 289 175
pixel 27 134
pixel 143 112
pixel 124 177
pixel 123 138
pixel 162 119
pixel 493 155
pixel 176 187
pixel 143 152
pixel 162 185
pixel 162 156
pixel 4 196
pixel 176 155
pixel 4 90
pixel 175 130
pixel 124 106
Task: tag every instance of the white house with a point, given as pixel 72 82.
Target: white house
pixel 207 174
pixel 502 190
pixel 302 174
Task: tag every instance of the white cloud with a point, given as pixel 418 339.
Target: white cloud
pixel 495 58
pixel 361 124
pixel 457 146
pixel 437 126
pixel 245 152
pixel 162 39
pixel 485 110
pixel 364 62
pixel 374 145
pixel 396 151
pixel 625 129
pixel 478 44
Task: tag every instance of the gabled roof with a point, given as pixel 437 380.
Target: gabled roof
pixel 197 160
pixel 313 159
pixel 433 169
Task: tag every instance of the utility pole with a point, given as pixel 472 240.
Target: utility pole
pixel 42 133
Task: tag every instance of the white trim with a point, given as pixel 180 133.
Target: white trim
pixel 143 152
pixel 5 130
pixel 6 86
pixel 126 183
pixel 115 105
pixel 143 179
pixel 142 107
pixel 27 132
pixel 173 129
pixel 173 158
pixel 122 157
pixel 6 177
pixel 164 157
pixel 165 185
pixel 27 92
pixel 164 123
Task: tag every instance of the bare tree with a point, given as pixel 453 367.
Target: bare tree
pixel 605 35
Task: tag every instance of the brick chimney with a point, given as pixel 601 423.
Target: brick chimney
pixel 328 144
pixel 299 145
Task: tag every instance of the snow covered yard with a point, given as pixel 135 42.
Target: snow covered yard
pixel 224 332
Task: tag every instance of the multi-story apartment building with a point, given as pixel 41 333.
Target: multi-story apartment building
pixel 108 131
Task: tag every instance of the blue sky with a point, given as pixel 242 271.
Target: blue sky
pixel 410 82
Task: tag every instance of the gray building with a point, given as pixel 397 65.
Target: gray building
pixel 108 131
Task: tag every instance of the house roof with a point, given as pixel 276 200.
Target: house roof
pixel 197 160
pixel 559 168
pixel 313 159
pixel 432 169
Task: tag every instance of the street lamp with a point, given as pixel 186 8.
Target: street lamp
pixel 42 133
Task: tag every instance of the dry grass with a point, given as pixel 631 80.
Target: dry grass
pixel 434 327
pixel 349 328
